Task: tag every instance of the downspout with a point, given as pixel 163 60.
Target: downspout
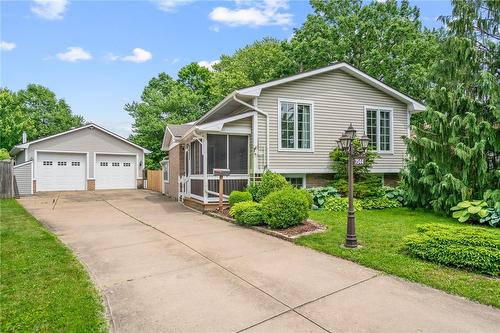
pixel 253 107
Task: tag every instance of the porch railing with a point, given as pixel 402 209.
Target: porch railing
pixel 195 186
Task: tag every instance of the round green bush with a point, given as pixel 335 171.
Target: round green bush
pixel 270 182
pixel 247 213
pixel 285 208
pixel 239 196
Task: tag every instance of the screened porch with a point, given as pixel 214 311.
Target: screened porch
pixel 214 151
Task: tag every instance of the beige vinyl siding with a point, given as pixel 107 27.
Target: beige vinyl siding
pixel 242 126
pixel 21 157
pixel 24 177
pixel 261 143
pixel 338 99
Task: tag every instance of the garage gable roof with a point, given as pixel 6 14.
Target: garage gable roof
pixel 18 148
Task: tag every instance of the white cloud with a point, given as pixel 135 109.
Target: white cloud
pixel 73 54
pixel 138 55
pixel 49 9
pixel 6 46
pixel 175 60
pixel 208 64
pixel 253 13
pixel 110 57
pixel 171 5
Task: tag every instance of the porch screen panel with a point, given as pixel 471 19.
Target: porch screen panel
pixel 196 158
pixel 217 152
pixel 238 154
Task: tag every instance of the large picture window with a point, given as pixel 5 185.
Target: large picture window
pixel 295 125
pixel 227 152
pixel 379 129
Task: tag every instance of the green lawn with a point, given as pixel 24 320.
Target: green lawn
pixel 380 232
pixel 42 287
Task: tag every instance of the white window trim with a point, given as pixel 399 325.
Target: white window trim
pixel 295 101
pixel 297 175
pixel 391 126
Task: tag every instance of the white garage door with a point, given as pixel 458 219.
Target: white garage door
pixel 115 172
pixel 61 171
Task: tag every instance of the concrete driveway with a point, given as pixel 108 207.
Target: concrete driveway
pixel 162 267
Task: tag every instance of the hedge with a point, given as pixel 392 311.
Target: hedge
pixel 470 248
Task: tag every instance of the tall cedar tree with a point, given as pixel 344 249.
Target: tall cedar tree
pixel 454 153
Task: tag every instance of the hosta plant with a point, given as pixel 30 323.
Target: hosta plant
pixel 319 194
pixel 470 210
pixel 493 217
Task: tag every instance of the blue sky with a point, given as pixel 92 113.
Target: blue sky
pixel 99 55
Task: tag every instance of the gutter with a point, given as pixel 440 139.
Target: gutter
pixel 253 107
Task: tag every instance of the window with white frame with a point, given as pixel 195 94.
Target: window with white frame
pixel 295 181
pixel 295 125
pixel 379 129
pixel 166 171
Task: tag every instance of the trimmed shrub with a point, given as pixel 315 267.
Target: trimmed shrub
pixel 307 196
pixel 319 194
pixel 270 182
pixel 239 196
pixel 247 213
pixel 341 204
pixel 253 188
pixel 285 208
pixel 471 248
pixel 379 203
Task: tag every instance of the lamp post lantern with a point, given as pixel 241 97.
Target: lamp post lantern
pixel 346 143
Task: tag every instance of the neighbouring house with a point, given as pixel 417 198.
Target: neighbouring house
pixel 289 126
pixel 85 158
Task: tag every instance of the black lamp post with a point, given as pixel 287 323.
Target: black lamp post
pixel 355 156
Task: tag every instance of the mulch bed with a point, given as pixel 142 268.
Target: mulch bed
pixel 305 228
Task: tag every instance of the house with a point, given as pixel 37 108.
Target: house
pixel 289 126
pixel 85 158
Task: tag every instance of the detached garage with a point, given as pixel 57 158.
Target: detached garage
pixel 86 158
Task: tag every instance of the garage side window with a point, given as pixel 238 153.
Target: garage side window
pixel 166 171
pixel 104 164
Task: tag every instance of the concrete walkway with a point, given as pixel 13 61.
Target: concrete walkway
pixel 162 267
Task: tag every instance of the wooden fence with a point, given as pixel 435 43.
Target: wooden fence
pixel 6 179
pixel 155 180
